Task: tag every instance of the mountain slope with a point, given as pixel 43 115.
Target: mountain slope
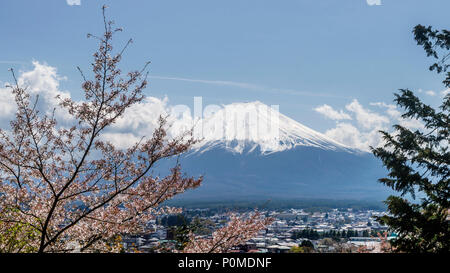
pixel 241 161
pixel 305 172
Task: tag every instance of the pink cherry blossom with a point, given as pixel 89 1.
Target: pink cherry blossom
pixel 77 192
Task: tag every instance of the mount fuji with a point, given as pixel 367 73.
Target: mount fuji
pixel 240 127
pixel 251 151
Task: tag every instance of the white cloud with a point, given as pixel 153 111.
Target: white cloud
pixel 329 112
pixel 142 117
pixel 365 117
pixel 43 81
pixel 7 107
pixel 139 120
pixel 373 2
pixel 73 2
pixel 365 130
pixel 428 92
pixel 121 140
pixel 351 136
pixel 391 109
pixel 396 116
pixel 445 92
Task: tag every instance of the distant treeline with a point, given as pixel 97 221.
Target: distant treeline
pixel 334 234
pixel 309 205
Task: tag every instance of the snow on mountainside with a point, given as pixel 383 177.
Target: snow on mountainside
pixel 246 127
pixel 251 151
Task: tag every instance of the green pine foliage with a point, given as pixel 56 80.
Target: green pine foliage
pixel 418 162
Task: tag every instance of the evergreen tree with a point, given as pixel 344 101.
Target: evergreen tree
pixel 307 243
pixel 365 233
pixel 349 233
pixel 418 162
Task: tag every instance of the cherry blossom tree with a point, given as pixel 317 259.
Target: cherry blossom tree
pixel 64 188
pixel 237 231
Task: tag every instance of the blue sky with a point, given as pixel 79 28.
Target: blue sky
pixel 297 54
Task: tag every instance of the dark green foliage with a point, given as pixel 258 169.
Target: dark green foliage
pixel 178 229
pixel 174 220
pixel 307 243
pixel 201 226
pixel 418 162
pixel 180 234
pixel 435 43
pixel 181 227
pixel 333 234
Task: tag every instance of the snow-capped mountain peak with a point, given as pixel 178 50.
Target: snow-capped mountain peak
pixel 245 127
